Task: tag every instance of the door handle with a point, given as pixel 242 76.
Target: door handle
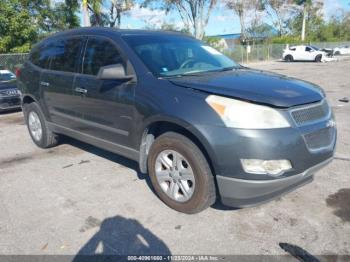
pixel 80 90
pixel 44 83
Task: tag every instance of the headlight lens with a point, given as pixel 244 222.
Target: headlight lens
pixel 239 114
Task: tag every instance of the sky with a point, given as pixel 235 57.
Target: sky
pixel 222 20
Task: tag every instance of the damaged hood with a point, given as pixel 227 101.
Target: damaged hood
pixel 253 85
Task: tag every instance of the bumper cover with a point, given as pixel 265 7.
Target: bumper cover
pixel 245 193
pixel 12 102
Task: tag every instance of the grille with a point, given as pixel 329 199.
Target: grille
pixel 310 113
pixel 9 92
pixel 320 138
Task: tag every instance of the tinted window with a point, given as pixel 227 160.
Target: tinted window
pixel 7 76
pixel 308 49
pixel 64 54
pixel 99 53
pixel 177 55
pixel 40 57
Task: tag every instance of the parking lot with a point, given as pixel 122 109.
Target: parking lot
pixel 78 199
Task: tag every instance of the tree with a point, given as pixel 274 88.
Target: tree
pixel 241 9
pixel 17 28
pixel 95 7
pixel 23 22
pixel 194 13
pixel 117 8
pixel 309 18
pixel 278 10
pixel 63 15
pixel 305 4
pixel 96 18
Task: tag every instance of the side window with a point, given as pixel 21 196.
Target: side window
pixel 99 53
pixel 64 54
pixel 40 57
pixel 308 49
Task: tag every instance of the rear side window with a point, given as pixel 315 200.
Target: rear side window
pixel 99 53
pixel 40 57
pixel 64 54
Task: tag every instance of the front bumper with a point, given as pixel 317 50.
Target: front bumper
pixel 11 102
pixel 308 147
pixel 246 193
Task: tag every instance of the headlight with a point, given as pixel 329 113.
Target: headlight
pixel 239 114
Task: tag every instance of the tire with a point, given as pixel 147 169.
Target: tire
pixel 289 58
pixel 318 58
pixel 47 138
pixel 203 186
pixel 337 53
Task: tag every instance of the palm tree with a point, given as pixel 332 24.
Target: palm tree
pixel 93 6
pixel 86 17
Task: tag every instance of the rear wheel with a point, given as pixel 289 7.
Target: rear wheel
pixel 337 53
pixel 37 126
pixel 289 58
pixel 180 174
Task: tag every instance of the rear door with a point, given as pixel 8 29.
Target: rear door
pixel 106 106
pixel 57 81
pixel 299 53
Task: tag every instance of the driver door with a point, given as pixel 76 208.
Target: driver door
pixel 105 107
pixel 309 53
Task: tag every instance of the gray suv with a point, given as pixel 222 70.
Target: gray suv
pixel 202 126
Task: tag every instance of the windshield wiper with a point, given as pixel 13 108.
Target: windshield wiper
pixel 198 73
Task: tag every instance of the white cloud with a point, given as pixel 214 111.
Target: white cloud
pixel 154 18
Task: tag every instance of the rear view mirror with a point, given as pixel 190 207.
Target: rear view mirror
pixel 113 72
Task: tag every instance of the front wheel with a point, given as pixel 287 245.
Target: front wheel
pixel 180 174
pixel 318 58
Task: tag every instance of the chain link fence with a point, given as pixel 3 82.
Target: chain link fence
pixel 267 52
pixel 10 61
pixel 258 52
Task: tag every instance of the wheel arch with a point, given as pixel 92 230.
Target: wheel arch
pixel 160 126
pixel 27 99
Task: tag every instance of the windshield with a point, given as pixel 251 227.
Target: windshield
pixel 169 55
pixel 315 48
pixel 7 76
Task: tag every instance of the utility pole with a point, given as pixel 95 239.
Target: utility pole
pixel 86 18
pixel 304 24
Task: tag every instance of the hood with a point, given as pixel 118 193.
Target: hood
pixel 256 86
pixel 8 85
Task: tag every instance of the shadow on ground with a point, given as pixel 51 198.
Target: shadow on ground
pixel 121 236
pixel 129 164
pixel 10 111
pixel 340 202
pixel 109 156
pixel 298 252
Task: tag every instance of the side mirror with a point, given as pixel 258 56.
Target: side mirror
pixel 113 72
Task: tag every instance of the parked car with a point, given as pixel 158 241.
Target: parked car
pixel 9 94
pixel 303 53
pixel 197 122
pixel 343 50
